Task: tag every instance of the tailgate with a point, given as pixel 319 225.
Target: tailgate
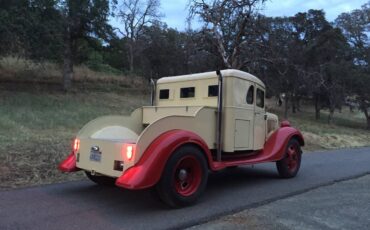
pixel 101 156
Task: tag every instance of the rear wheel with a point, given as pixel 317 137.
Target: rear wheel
pixel 101 180
pixel 184 177
pixel 288 167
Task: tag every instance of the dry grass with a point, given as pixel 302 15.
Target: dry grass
pixel 36 130
pixel 19 70
pixel 38 121
pixel 347 131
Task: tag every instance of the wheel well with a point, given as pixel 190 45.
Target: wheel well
pixel 299 139
pixel 199 148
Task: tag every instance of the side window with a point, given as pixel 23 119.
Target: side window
pixel 260 102
pixel 250 95
pixel 187 92
pixel 164 94
pixel 212 90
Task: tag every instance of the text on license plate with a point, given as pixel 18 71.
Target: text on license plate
pixel 95 156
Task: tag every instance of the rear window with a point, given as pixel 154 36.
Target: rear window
pixel 212 90
pixel 260 102
pixel 164 94
pixel 250 95
pixel 187 92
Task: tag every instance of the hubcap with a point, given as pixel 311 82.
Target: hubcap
pixel 183 174
pixel 187 176
pixel 292 157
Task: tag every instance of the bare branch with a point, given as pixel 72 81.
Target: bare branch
pixel 228 20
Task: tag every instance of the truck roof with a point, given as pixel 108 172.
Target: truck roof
pixel 207 75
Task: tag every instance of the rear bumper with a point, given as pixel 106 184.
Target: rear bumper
pixel 69 164
pixel 128 179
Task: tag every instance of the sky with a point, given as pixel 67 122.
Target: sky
pixel 175 11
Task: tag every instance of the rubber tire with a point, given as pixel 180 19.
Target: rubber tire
pixel 232 167
pixel 166 187
pixel 282 165
pixel 101 180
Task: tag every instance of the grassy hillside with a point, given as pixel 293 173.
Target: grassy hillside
pixel 36 129
pixel 38 120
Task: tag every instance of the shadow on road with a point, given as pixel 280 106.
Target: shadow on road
pixel 121 200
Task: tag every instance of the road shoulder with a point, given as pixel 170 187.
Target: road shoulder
pixel 342 205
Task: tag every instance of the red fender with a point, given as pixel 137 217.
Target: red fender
pixel 148 170
pixel 274 148
pixel 69 164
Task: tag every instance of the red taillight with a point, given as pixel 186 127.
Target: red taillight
pixel 128 151
pixel 76 145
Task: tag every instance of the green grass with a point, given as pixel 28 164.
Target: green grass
pixel 36 130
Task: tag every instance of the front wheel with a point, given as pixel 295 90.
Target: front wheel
pixel 184 177
pixel 288 167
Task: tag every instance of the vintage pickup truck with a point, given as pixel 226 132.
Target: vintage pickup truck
pixel 196 124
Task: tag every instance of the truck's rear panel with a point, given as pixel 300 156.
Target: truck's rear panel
pixel 101 156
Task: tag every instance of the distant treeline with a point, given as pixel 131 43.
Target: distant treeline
pixel 303 56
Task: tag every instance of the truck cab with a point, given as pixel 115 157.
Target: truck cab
pixel 245 121
pixel 195 124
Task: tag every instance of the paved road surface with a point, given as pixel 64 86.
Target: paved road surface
pixel 342 205
pixel 83 205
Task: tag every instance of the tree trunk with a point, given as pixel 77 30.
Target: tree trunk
pixel 331 115
pixel 317 107
pixel 131 57
pixel 294 107
pixel 367 117
pixel 67 62
pixel 220 48
pixel 286 106
pixel 332 106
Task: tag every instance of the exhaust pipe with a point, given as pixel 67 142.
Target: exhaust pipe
pixel 152 91
pixel 219 116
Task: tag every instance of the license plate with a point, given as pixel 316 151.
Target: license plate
pixel 95 156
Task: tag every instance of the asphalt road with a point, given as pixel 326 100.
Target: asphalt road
pixel 341 205
pixel 83 205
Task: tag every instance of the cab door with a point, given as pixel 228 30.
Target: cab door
pixel 244 95
pixel 259 119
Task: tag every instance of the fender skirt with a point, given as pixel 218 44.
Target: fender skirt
pixel 148 170
pixel 69 164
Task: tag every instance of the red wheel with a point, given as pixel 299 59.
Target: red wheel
pixel 289 166
pixel 187 176
pixel 184 177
